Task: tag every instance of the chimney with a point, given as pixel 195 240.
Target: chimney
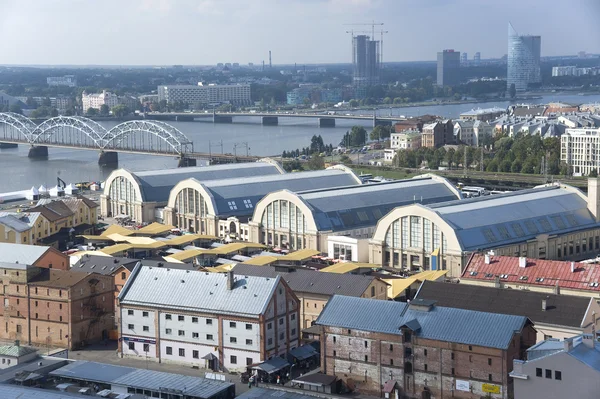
pixel 497 282
pixel 487 259
pixel 557 289
pixel 522 261
pixel 568 342
pixel 230 281
pixel 572 267
pixel 588 340
pixel 544 304
pixel 593 197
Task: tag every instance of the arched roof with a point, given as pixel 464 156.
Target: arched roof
pixel 239 196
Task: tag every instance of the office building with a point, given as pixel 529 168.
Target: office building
pixel 423 349
pixel 365 59
pixel 523 60
pixel 464 58
pixel 574 71
pixel 559 369
pixel 448 68
pixel 97 100
pixel 205 94
pixel 543 223
pixel 580 149
pixel 477 58
pixel 139 194
pixel 67 80
pixel 211 320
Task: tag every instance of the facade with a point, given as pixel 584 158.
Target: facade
pixel 437 134
pixel 33 255
pixel 306 219
pixel 347 248
pixel 205 94
pixel 408 140
pixel 448 68
pixel 580 149
pixel 55 307
pixel 67 80
pixel 421 347
pixel 218 321
pixel 139 194
pixel 559 369
pixel 538 223
pixel 222 207
pixel 485 115
pixel 471 132
pixel 11 355
pixel 523 60
pixel 97 100
pixel 365 61
pixel 573 71
pixel 554 316
pixel 314 288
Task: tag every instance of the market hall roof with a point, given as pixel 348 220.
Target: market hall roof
pixel 155 185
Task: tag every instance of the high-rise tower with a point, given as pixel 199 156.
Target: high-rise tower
pixel 365 59
pixel 448 68
pixel 523 63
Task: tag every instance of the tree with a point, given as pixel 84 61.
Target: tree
pixel 120 110
pixel 345 159
pixel 380 133
pixel 91 111
pixel 16 108
pixel 46 102
pixel 104 110
pixel 358 136
pixel 70 112
pixel 353 103
pixel 316 162
pixel 316 144
pixel 449 157
pixel 31 103
pixel 292 165
pixel 387 100
pixel 516 166
pixel 54 112
pixel 593 173
pixel 512 91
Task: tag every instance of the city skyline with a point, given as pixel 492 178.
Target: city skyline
pixel 163 32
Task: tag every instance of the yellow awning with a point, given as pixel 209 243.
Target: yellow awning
pixel 348 267
pixel 188 238
pixel 299 255
pixel 397 286
pixel 155 228
pixel 95 237
pixel 219 269
pixel 115 228
pixel 431 275
pixel 131 240
pixel 261 260
pixel 115 249
pixel 235 247
pixel 80 254
pixel 187 254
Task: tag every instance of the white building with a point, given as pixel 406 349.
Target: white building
pixel 580 149
pixel 218 321
pixel 348 248
pixel 471 132
pixel 209 94
pixel 408 140
pixel 67 80
pixel 97 100
pixel 11 355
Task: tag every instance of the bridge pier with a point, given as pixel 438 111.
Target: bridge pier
pixel 222 118
pixel 8 145
pixel 326 122
pixel 38 152
pixel 184 162
pixel 270 120
pixel 108 158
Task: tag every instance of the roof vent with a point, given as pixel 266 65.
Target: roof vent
pixel 572 267
pixel 487 259
pixel 182 281
pixel 245 287
pixel 339 287
pixel 473 273
pixel 115 260
pixel 523 278
pixel 593 285
pixel 187 271
pixel 91 267
pixel 210 293
pixel 160 264
pixel 539 280
pixel 168 270
pixel 504 276
pixel 544 305
pixel 156 278
pixel 489 275
pixel 522 261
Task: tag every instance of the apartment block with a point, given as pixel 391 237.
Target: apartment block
pixel 205 94
pixel 438 134
pixel 580 149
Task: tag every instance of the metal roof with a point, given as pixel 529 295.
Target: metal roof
pixel 20 392
pixel 440 323
pixel 238 196
pixel 21 253
pixel 197 291
pixel 16 350
pixel 156 184
pixel 561 310
pixel 260 393
pixel 538 272
pixel 362 206
pixel 497 220
pixel 140 378
pixel 312 281
pixel 15 223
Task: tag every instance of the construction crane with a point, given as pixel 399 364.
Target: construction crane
pixel 372 24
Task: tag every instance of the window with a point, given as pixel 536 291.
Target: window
pixel 248 326
pixel 233 359
pixel 270 341
pixel 209 337
pixel 470 348
pixel 391 348
pixel 391 362
pixel 293 331
pixel 146 328
pixel 548 373
pixel 232 206
pixel 123 276
pixel 558 375
pixel 195 335
pixel 181 318
pixel 130 326
pixel 181 333
pixel 195 354
pixel 281 320
pixel 248 361
pixel 452 372
pixel 366 358
pixel 248 342
pixel 489 361
pixel 194 320
pixel 181 352
pixel 293 316
pixel 233 340
pixel 366 344
pixel 168 331
pixel 334 340
pixel 146 347
pixel 425 367
pixel 425 352
pixel 130 312
pixel 209 322
pixel 248 203
pixel 452 356
pixel 167 317
pixel 281 336
pixel 232 324
pixel 334 353
pixel 131 345
pixel 144 314
pixel 489 377
pixel 269 326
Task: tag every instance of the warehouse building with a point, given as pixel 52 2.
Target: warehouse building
pixel 550 222
pixel 305 220
pixel 223 207
pixel 139 194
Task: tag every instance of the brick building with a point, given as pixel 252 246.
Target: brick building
pixel 438 134
pixel 218 321
pixel 55 307
pixel 33 255
pixel 414 123
pixel 420 348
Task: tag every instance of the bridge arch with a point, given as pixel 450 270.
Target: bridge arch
pixel 156 136
pixel 22 124
pixel 64 129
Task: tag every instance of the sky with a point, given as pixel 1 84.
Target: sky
pixel 205 32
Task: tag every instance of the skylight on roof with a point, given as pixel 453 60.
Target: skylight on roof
pixel 232 205
pixel 545 224
pixel 558 221
pixel 489 235
pixel 248 203
pixel 503 232
pixel 518 229
pixel 531 227
pixel 571 220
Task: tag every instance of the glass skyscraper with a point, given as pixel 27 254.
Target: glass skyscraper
pixel 523 60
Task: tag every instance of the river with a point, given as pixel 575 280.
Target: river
pixel 20 172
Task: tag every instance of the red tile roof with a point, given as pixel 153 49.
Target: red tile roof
pixel 538 272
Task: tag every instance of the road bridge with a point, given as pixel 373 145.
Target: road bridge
pixel 136 136
pixel 270 118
